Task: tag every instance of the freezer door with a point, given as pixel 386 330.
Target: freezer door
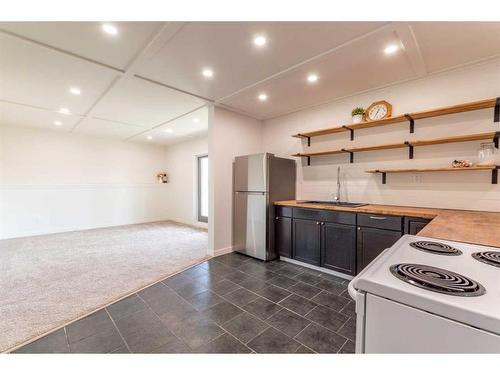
pixel 250 173
pixel 249 228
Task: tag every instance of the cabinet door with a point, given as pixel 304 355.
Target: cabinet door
pixel 338 247
pixel 371 242
pixel 283 236
pixel 414 225
pixel 306 241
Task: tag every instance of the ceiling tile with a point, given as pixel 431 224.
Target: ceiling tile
pixel 40 77
pixel 192 125
pixel 447 44
pixel 227 48
pixel 19 115
pixel 357 67
pixel 138 102
pixel 88 40
pixel 101 128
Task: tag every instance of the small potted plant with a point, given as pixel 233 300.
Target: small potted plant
pixel 357 115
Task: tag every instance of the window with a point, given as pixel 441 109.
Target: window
pixel 203 188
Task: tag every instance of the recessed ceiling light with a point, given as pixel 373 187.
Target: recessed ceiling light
pixel 75 90
pixel 168 130
pixel 149 137
pixel 57 123
pixel 64 111
pixel 262 97
pixel 260 40
pixel 312 78
pixel 390 49
pixel 207 73
pixel 196 120
pixel 109 29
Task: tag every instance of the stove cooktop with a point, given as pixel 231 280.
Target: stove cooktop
pixel 435 248
pixel 489 257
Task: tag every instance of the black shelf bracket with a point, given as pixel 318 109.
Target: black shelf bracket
pixel 495 139
pixel 412 122
pixel 308 141
pixel 384 178
pixel 494 175
pixel 308 160
pixel 351 130
pixel 410 149
pixel 351 155
pixel 496 115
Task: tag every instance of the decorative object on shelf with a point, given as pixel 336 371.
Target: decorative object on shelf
pixel 379 110
pixel 461 164
pixel 162 178
pixel 358 115
pixel 486 154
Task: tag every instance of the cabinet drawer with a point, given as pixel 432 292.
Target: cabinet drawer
pixel 283 211
pixel 303 213
pixel 380 221
pixel 348 218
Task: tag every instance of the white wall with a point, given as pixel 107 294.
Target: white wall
pixel 464 190
pixel 230 135
pixel 53 182
pixel 181 166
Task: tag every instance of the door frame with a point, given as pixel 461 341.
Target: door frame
pixel 202 219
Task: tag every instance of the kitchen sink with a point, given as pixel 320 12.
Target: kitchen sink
pixel 337 203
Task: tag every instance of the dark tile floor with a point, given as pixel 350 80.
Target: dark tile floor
pixel 229 304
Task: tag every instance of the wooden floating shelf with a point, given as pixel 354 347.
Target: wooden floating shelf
pixel 407 144
pixel 410 117
pixel 492 168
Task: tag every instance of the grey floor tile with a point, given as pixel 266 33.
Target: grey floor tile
pixel 177 312
pixel 331 286
pixel 224 287
pixel 224 344
pixel 208 280
pixel 290 270
pixel 282 281
pixel 245 327
pixel 288 322
pixel 176 346
pixel 328 276
pixel 349 329
pixel 54 342
pixel 126 306
pixel 191 289
pixel 144 331
pixel 120 350
pixel 178 281
pixel 298 304
pixel 327 318
pixel 253 284
pixel 196 271
pixel 237 276
pixel 241 297
pixel 304 350
pixel 197 330
pixel 304 290
pixel 204 300
pixel 232 259
pixel 106 341
pixel 274 293
pixel 349 309
pixel 348 348
pixel 222 312
pixel 331 300
pixel 253 267
pixel 274 265
pixel 273 341
pixel 320 339
pixel 89 326
pixel 262 308
pixel 219 268
pixel 161 298
pixel 264 275
pixel 308 278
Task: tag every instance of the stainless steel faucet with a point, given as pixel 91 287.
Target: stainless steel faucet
pixel 336 198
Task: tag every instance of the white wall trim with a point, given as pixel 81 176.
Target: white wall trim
pixel 80 186
pixel 316 268
pixel 225 250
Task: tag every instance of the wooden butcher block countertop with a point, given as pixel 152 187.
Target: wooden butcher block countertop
pixel 477 227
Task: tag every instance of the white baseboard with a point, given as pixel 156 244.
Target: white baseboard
pixel 316 268
pixel 225 250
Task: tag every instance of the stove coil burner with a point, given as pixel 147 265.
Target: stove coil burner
pixel 437 280
pixel 435 248
pixel 489 257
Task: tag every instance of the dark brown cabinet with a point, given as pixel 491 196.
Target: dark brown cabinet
pixel 338 247
pixel 371 242
pixel 413 225
pixel 307 241
pixel 283 236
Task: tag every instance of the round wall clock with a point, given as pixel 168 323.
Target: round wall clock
pixel 379 110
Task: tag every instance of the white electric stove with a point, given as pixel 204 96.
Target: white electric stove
pixel 426 295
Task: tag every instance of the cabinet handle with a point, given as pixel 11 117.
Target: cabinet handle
pixel 317 223
pixel 359 228
pixel 322 223
pixel 277 217
pixel 378 217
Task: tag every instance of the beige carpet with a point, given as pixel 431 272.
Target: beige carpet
pixel 46 281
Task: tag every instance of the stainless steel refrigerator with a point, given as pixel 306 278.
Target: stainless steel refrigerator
pixel 259 180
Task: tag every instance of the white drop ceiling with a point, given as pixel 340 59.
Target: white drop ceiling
pixel 145 83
